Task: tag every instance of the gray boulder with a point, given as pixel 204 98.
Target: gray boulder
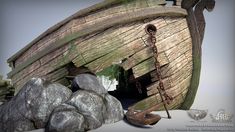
pixel 114 111
pixel 85 110
pixel 88 82
pixel 90 105
pixel 65 118
pixel 33 104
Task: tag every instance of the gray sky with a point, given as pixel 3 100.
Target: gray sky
pixel 22 21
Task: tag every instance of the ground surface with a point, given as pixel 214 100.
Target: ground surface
pixel 180 122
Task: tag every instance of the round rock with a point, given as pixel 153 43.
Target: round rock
pixel 65 118
pixel 114 111
pixel 90 105
pixel 88 82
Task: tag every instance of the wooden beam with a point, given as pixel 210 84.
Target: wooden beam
pixel 140 56
pixel 116 56
pixel 148 65
pixel 197 34
pixel 153 88
pixel 56 75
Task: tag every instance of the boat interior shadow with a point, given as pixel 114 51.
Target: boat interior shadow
pixel 131 90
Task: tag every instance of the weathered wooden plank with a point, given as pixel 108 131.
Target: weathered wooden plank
pixel 65 54
pixel 79 61
pixel 141 56
pixel 148 65
pixel 56 75
pixel 180 75
pixel 175 65
pixel 176 25
pixel 93 51
pixel 170 20
pixel 184 93
pixel 127 7
pixel 116 56
pixel 172 68
pixel 137 58
pixel 173 40
pixel 173 80
pixel 153 88
pixel 184 71
pixel 181 86
pixel 26 71
pixel 153 73
pixel 104 36
pixel 51 66
pixel 53 55
pixel 165 30
pixel 109 12
pixel 179 49
pixel 158 22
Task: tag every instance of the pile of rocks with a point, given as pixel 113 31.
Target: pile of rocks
pixel 42 104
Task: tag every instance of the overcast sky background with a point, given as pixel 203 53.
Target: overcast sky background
pixel 22 21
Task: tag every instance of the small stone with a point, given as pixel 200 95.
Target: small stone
pixel 90 105
pixel 65 118
pixel 114 111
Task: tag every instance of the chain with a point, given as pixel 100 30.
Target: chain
pixel 145 117
pixel 152 40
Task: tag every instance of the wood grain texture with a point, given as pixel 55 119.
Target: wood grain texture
pixel 196 24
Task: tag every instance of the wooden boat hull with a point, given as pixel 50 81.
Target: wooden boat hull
pixel 113 33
